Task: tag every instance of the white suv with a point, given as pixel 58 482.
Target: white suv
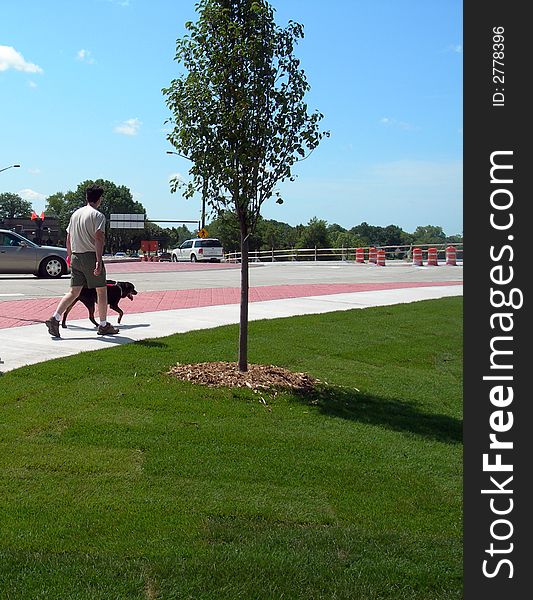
pixel 199 249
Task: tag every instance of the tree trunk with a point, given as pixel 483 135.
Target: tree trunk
pixel 243 327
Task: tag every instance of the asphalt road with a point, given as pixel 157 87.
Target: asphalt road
pixel 180 276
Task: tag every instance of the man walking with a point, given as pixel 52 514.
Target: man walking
pixel 85 245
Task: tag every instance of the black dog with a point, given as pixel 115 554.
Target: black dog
pixel 116 290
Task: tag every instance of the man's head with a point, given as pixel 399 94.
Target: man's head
pixel 94 194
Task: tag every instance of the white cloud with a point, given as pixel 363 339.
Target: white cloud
pixel 391 122
pixel 32 84
pixel 457 48
pixel 31 195
pixel 128 127
pixel 11 59
pixel 35 171
pixel 85 56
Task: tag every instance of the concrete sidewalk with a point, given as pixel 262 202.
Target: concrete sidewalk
pixel 30 344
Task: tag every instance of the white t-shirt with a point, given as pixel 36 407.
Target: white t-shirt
pixel 84 223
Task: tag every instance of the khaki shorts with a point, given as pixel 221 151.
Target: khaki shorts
pixel 82 266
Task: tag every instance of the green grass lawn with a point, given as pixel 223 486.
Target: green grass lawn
pixel 119 482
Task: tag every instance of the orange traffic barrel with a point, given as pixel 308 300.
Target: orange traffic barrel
pixel 417 257
pixel 372 255
pixel 381 258
pixel 360 255
pixel 432 257
pixel 451 256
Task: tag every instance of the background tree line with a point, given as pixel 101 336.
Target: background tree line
pixel 267 235
pixel 318 233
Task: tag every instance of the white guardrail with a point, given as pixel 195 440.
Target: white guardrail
pixel 392 253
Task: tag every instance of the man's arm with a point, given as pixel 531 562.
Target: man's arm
pixel 69 250
pixel 99 240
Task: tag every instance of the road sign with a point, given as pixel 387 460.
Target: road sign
pixel 149 245
pixel 132 221
pixel 203 233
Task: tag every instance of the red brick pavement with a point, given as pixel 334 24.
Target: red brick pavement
pixel 16 313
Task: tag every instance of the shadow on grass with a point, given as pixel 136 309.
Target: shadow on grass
pixel 394 414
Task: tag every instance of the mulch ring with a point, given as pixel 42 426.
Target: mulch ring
pixel 259 378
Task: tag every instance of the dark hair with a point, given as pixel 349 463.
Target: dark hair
pixel 93 193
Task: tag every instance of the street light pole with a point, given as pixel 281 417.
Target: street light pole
pixel 10 167
pixel 204 190
pixel 204 194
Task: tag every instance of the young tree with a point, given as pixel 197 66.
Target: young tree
pixel 239 115
pixel 226 228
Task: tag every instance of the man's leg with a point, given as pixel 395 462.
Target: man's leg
pixel 53 322
pixel 105 327
pixel 68 299
pixel 101 295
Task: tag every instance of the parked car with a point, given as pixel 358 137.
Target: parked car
pixel 165 257
pixel 20 255
pixel 198 249
pixel 120 255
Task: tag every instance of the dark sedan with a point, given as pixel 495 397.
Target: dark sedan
pixel 20 255
pixel 165 257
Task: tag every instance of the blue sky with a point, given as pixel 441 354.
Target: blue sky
pixel 81 99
